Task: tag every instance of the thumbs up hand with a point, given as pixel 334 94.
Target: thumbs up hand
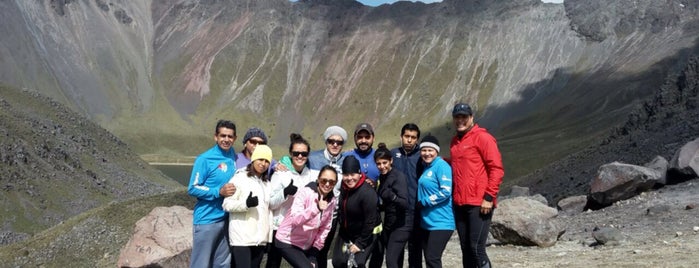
pixel 290 189
pixel 252 201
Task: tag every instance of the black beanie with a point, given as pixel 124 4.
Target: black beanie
pixel 430 141
pixel 350 165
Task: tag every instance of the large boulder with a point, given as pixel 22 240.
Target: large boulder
pixel 525 221
pixel 163 238
pixel 660 165
pixel 685 163
pixel 618 181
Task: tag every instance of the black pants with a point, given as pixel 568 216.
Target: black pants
pixel 433 244
pixel 473 228
pixel 394 243
pixel 415 243
pixel 248 256
pixel 322 257
pixel 340 257
pixel 297 257
pixel 274 257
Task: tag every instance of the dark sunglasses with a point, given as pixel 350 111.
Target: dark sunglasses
pixel 256 142
pixel 326 181
pixel 334 142
pixel 295 153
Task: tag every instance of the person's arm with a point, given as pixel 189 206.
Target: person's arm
pixel 399 189
pixel 278 182
pixel 197 182
pixel 492 161
pixel 298 213
pixel 237 201
pixel 325 224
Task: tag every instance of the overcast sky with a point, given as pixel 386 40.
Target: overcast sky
pixel 380 2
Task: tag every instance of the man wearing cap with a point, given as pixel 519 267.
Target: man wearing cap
pixel 364 140
pixel 253 137
pixel 335 138
pixel 406 158
pixel 477 173
pixel 208 183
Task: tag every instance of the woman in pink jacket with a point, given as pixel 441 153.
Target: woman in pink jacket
pixel 306 225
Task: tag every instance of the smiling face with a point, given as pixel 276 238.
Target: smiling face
pixel 299 155
pixel 384 165
pixel 364 140
pixel 428 154
pixel 462 122
pixel 224 138
pixel 259 166
pixel 326 181
pixel 351 180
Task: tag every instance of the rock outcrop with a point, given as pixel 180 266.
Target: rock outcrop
pixel 525 221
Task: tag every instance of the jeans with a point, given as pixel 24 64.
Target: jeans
pixel 210 245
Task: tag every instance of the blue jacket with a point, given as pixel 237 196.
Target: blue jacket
pixel 317 159
pixel 366 162
pixel 212 169
pixel 434 195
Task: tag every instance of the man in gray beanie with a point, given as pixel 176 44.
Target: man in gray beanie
pixel 335 138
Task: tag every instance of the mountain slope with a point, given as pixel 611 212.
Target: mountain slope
pixel 55 164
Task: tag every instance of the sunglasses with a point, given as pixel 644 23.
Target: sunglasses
pixel 256 142
pixel 323 181
pixel 335 142
pixel 295 153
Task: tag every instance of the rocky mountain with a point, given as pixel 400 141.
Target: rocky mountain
pixel 547 79
pixel 56 164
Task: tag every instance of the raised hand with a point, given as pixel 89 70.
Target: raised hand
pixel 322 203
pixel 252 201
pixel 290 189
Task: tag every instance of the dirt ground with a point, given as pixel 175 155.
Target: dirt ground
pixel 659 229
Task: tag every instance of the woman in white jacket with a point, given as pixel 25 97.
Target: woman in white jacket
pixel 250 218
pixel 285 184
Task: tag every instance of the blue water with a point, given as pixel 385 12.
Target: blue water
pixel 178 173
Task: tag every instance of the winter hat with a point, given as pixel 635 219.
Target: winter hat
pixel 262 152
pixel 255 132
pixel 461 109
pixel 430 141
pixel 350 165
pixel 335 130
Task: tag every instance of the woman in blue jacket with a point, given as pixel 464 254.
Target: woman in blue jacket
pixel 434 198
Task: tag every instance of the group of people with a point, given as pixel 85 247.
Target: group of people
pixel 370 202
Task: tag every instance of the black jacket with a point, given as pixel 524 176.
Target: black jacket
pixel 358 214
pixel 393 191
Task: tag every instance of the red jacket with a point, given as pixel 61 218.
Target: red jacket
pixel 477 167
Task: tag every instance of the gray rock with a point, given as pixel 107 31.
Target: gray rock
pixel 519 191
pixel 525 221
pixel 618 181
pixel 685 163
pixel 658 210
pixel 660 165
pixel 572 205
pixel 163 238
pixel 607 236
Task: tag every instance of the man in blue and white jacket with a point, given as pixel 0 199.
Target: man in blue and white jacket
pixel 208 183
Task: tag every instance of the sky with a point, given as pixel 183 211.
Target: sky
pixel 380 2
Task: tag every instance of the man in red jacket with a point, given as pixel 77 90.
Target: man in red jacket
pixel 477 173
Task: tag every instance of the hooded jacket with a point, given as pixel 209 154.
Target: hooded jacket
pixel 477 167
pixel 280 203
pixel 358 214
pixel 393 191
pixel 304 225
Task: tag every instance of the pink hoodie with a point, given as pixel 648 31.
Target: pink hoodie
pixel 304 225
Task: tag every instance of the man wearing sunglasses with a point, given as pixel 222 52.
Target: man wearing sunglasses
pixel 335 138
